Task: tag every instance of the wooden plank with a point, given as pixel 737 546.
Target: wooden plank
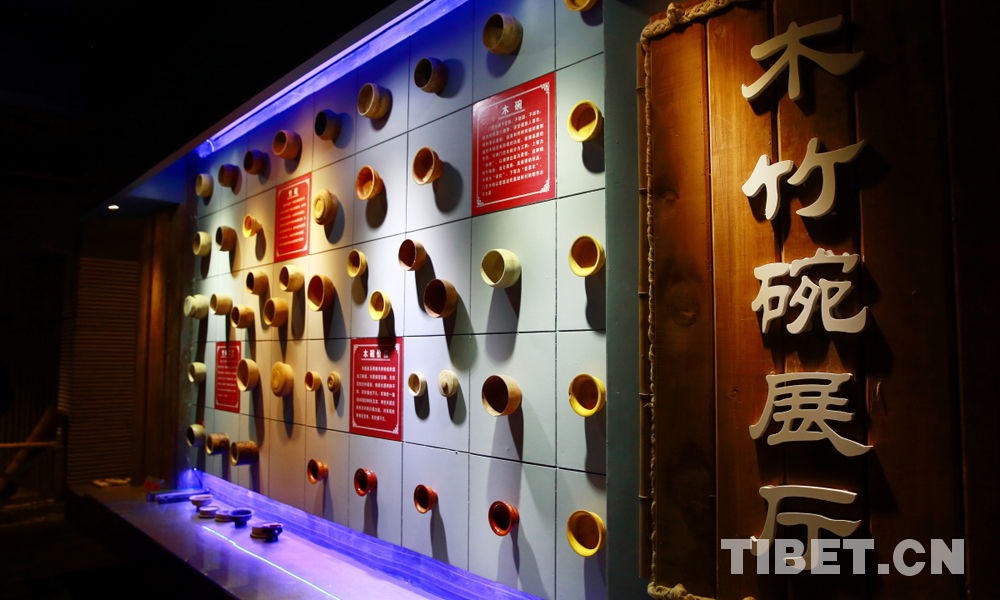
pixel 740 243
pixel 139 416
pixel 826 112
pixel 175 227
pixel 914 472
pixel 158 296
pixel 684 489
pixel 970 114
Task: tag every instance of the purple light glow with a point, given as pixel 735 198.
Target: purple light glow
pixel 264 560
pixel 189 478
pixel 434 577
pixel 383 38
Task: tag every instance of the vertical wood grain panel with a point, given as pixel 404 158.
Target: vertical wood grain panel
pixel 893 208
pixel 970 114
pixel 740 242
pixel 163 370
pixel 155 433
pixel 176 227
pixel 826 111
pixel 914 476
pixel 179 228
pixel 139 410
pixel 683 383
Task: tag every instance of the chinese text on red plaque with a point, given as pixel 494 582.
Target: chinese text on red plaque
pixel 513 147
pixel 376 387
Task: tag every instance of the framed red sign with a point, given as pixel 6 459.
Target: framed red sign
pixel 377 387
pixel 291 218
pixel 513 140
pixel 227 395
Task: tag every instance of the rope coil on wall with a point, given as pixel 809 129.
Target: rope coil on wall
pixel 677 592
pixel 678 15
pixel 675 16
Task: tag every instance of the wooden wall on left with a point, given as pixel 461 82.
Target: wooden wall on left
pixel 157 342
pixel 86 317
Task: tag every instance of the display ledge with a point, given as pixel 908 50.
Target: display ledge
pixel 313 557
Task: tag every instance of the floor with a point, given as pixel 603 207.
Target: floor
pixel 66 551
pixel 294 568
pixel 114 544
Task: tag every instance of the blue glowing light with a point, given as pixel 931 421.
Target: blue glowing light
pixel 189 478
pixel 376 42
pixel 264 560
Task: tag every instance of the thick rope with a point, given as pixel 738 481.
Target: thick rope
pixel 676 15
pixel 662 592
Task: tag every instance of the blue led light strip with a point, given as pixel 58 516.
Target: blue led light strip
pixel 358 53
pixel 435 577
pixel 262 559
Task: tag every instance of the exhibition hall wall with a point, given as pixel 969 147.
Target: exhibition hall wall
pixel 375 331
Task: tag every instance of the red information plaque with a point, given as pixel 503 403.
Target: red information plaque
pixel 513 141
pixel 227 395
pixel 291 218
pixel 377 388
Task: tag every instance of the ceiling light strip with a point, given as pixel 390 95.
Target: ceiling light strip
pixel 376 42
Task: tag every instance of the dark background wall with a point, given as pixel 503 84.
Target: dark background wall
pixel 91 96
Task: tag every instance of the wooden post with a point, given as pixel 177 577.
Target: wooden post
pixel 683 412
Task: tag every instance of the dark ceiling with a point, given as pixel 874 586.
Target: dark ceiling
pixel 93 94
